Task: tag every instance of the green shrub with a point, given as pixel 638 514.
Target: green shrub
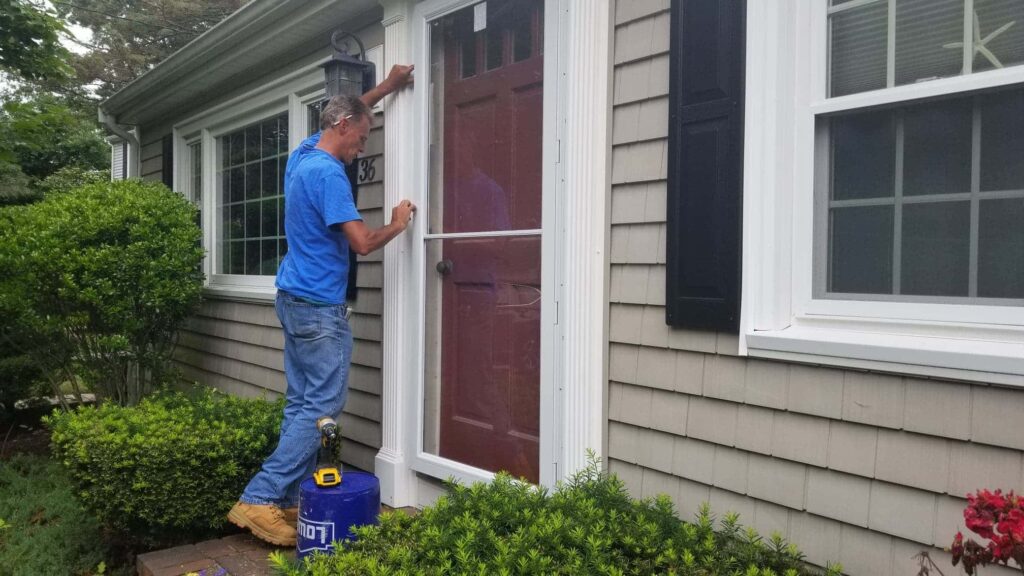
pixel 71 177
pixel 98 281
pixel 169 469
pixel 589 526
pixel 15 187
pixel 44 529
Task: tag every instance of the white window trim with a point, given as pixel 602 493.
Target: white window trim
pixel 183 181
pixel 785 79
pixel 291 93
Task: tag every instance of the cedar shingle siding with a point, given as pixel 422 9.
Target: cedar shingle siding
pixel 865 469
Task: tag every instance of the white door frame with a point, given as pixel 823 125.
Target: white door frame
pixel 576 184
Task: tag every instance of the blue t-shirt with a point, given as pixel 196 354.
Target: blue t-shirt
pixel 317 195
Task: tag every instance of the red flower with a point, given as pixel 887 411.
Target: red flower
pixel 998 518
pixel 979 521
pixel 957 548
pixel 1012 524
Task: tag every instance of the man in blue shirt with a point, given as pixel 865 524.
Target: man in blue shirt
pixel 321 223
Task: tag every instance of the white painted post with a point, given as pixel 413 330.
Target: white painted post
pixel 397 480
pixel 587 174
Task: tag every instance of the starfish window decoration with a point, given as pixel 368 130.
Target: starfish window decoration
pixel 980 44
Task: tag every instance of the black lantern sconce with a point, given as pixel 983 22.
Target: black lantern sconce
pixel 345 74
pixel 348 75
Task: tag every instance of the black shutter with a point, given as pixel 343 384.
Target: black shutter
pixel 124 160
pixel 705 172
pixel 351 292
pixel 168 162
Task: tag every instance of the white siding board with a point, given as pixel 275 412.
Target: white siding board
pixel 973 466
pixel 629 10
pixel 657 483
pixel 256 334
pixel 629 283
pixel 937 408
pixel 668 413
pixel 852 448
pixel 875 399
pixel 694 459
pixel 271 358
pixel 724 501
pixel 838 496
pixel 892 506
pixel 771 519
pixel 913 460
pixel 243 312
pixel 642 38
pixel 623 362
pixel 800 438
pixel 996 416
pixel 767 382
pixel 712 420
pixel 754 429
pixel 152 149
pixel 863 552
pixel 819 538
pixel 641 80
pixel 816 391
pixel 730 469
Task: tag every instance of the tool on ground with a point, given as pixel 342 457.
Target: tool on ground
pixel 328 460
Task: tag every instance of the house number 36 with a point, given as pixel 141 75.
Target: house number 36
pixel 367 169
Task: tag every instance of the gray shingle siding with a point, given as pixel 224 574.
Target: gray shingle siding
pixel 865 469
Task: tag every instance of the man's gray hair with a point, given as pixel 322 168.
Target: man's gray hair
pixel 341 107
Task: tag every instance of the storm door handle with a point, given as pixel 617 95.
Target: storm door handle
pixel 444 267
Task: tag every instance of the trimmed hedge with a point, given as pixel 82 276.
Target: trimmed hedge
pixel 588 526
pixel 168 470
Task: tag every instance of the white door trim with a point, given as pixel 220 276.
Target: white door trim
pixel 585 83
pixel 397 479
pixel 576 185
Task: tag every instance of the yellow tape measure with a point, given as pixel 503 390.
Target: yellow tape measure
pixel 325 477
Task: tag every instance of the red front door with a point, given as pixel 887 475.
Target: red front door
pixel 490 279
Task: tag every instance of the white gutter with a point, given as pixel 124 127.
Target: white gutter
pixel 111 123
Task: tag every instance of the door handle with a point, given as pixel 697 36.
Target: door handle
pixel 444 267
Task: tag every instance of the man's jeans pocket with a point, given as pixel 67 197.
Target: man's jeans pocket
pixel 303 319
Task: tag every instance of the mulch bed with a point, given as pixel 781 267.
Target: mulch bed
pixel 24 435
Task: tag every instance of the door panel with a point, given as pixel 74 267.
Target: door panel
pixel 491 354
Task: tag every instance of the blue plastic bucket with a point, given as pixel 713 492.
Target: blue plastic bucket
pixel 328 514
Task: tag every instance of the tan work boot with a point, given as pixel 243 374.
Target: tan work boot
pixel 266 522
pixel 291 515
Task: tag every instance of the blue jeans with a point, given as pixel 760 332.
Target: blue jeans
pixel 317 354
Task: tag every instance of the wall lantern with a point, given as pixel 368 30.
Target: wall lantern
pixel 348 75
pixel 345 74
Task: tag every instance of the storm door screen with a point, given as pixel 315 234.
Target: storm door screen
pixel 483 248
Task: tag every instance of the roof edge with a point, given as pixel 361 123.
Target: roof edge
pixel 192 55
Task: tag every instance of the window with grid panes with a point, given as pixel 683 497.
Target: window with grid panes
pixel 250 201
pixel 922 200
